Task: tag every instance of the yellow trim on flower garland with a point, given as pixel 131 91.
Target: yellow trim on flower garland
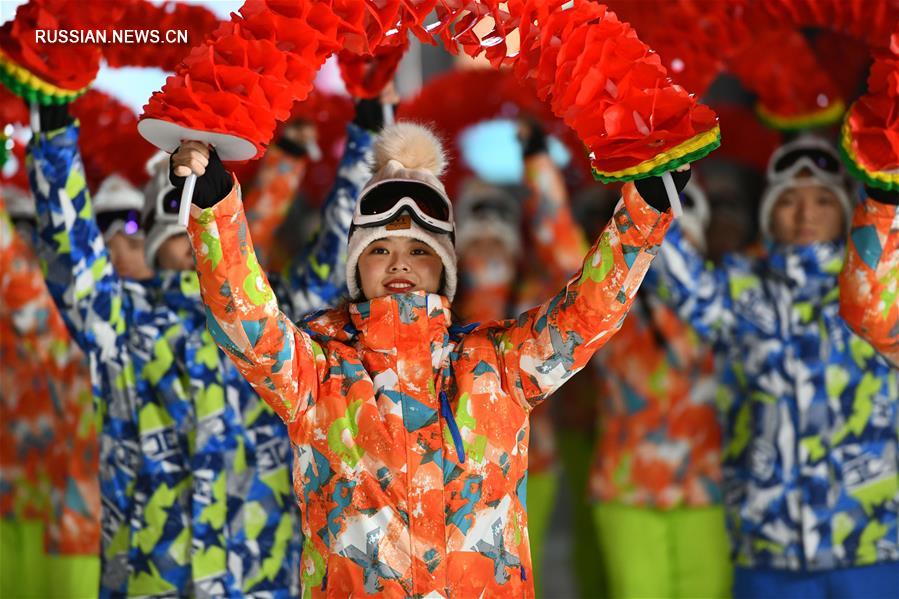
pixel 29 79
pixel 828 116
pixel 889 179
pixel 688 147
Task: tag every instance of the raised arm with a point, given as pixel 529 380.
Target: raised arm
pixel 701 294
pixel 869 281
pixel 545 346
pixel 281 171
pixel 78 270
pixel 315 279
pixel 282 363
pixel 557 240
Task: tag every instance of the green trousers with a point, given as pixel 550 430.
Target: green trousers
pixel 541 500
pixel 661 554
pixel 27 571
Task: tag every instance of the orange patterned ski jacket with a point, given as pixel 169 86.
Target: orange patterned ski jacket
pixel 48 448
pixel 869 281
pixel 411 435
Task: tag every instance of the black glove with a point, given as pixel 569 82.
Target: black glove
pixel 534 141
pixel 212 187
pixel 54 116
pixel 652 189
pixel 370 114
pixel 882 195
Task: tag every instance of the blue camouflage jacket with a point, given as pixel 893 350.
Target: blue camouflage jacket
pixel 811 411
pixel 195 480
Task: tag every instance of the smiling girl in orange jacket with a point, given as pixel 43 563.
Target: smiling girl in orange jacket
pixel 410 434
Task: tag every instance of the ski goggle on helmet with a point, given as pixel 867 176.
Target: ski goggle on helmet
pixel 165 208
pixel 806 153
pixel 383 202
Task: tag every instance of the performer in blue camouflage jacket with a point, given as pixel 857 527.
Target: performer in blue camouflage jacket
pixel 811 411
pixel 195 479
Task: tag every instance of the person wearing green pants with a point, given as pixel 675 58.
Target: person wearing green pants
pixel 656 472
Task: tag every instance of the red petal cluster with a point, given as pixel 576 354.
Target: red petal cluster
pixel 871 21
pixel 783 71
pixel 606 84
pixel 852 56
pixel 109 140
pixel 12 109
pixel 873 121
pixel 694 38
pixel 245 78
pixel 68 66
pixel 197 20
pixel 365 76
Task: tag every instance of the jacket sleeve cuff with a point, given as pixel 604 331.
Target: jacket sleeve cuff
pixel 651 223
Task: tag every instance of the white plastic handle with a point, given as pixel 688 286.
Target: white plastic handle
pixel 673 196
pixel 387 111
pixel 35 113
pixel 187 194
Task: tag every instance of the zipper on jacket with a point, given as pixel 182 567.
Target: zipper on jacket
pixel 454 428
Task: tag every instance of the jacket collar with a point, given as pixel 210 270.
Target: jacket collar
pixel 810 269
pixel 394 321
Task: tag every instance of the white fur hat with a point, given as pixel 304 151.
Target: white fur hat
pixel 779 183
pixel 116 193
pixel 404 152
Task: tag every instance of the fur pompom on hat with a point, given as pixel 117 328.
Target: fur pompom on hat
pixel 413 146
pixel 405 153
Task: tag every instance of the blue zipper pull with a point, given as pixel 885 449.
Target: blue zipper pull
pixel 447 414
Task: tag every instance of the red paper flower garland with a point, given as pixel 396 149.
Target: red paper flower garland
pixel 365 76
pixel 52 73
pixel 169 16
pixel 109 140
pixel 605 83
pixel 793 93
pixel 870 134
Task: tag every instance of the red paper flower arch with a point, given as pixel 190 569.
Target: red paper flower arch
pixel 594 71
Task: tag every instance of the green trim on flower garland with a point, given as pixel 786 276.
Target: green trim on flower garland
pixel 878 179
pixel 4 154
pixel 663 165
pixel 821 118
pixel 34 90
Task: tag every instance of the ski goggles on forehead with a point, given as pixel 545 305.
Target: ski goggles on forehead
pixel 115 221
pixel 817 160
pixel 492 208
pixel 427 206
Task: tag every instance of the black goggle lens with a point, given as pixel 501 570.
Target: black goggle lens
pixel 130 218
pixel 171 202
pixel 823 160
pixel 382 199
